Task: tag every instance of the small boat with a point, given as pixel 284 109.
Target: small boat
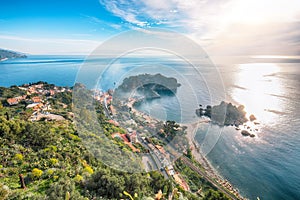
pixel 237 128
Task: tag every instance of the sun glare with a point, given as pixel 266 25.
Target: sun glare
pixel 257 83
pixel 258 12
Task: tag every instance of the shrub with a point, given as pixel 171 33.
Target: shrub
pixel 78 178
pixel 88 169
pixel 50 172
pixel 37 173
pixel 4 191
pixel 18 157
pixel 53 161
pixel 59 189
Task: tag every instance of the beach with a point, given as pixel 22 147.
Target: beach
pixel 196 151
pixel 199 157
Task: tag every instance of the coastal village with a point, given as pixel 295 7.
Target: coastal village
pixel 139 128
pixel 37 98
pixel 139 125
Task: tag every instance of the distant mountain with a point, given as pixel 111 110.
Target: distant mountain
pixel 7 54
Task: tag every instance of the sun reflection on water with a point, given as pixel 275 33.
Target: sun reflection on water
pixel 255 87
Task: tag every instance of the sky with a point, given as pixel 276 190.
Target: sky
pixel 221 27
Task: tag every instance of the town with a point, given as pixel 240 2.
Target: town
pixel 37 98
pixel 144 130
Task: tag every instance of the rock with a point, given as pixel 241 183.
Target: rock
pixel 224 114
pixel 252 118
pixel 245 133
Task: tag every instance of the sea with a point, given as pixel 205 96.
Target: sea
pixel 266 166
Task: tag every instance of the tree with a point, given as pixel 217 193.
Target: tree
pixel 37 136
pixel 189 153
pixel 170 128
pixel 4 191
pixel 214 195
pixel 22 182
pixel 64 187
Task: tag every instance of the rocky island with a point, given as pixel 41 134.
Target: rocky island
pixel 224 114
pixel 148 85
pixel 227 114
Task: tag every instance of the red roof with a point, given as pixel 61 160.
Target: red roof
pixel 12 101
pixel 36 99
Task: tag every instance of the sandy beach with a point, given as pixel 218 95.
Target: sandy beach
pixel 195 147
pixel 198 155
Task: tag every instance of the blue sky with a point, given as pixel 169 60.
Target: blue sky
pixel 222 27
pixel 56 18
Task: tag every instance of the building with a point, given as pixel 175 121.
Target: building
pixel 133 137
pixel 15 100
pixel 36 99
pixel 12 101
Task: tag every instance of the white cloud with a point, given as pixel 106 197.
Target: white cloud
pixel 246 25
pixel 47 45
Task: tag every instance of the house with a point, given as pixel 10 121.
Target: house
pixel 113 122
pixel 126 141
pixel 12 101
pixel 133 137
pixel 161 149
pixel 38 107
pixel 31 90
pixel 36 99
pixel 170 170
pixel 15 100
pixel 52 92
pixel 121 136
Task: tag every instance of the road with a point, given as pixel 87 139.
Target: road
pixel 106 109
pixel 201 173
pixel 154 158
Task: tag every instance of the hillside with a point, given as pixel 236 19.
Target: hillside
pixel 7 54
pixel 42 155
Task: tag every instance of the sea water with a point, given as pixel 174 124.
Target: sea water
pixel 266 166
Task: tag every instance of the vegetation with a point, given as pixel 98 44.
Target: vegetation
pixel 13 91
pixel 151 86
pixel 197 183
pixel 50 158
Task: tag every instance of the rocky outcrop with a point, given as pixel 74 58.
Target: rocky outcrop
pixel 224 114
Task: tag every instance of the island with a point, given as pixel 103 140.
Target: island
pixel 227 114
pixel 148 85
pixel 7 54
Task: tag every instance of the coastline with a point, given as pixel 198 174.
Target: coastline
pixel 191 131
pixel 199 157
pixel 196 151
